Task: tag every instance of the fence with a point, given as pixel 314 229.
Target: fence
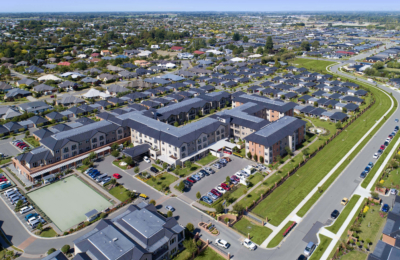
pixel 293 171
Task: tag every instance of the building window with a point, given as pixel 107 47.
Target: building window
pixel 119 131
pixel 87 141
pixel 199 141
pixel 101 138
pixel 66 150
pixel 66 156
pixel 73 147
pixel 57 151
pixel 94 140
pixel 172 241
pixel 204 139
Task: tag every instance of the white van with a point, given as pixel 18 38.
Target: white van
pixel 25 209
pixel 10 192
pixel 33 223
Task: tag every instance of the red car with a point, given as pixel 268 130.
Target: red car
pixel 117 176
pixel 216 193
pixel 390 136
pixel 382 147
pixel 228 152
pixel 235 178
pixel 3 179
pixel 191 180
pixel 225 186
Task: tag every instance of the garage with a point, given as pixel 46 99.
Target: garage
pixel 138 152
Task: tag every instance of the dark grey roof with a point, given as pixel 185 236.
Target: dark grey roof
pixel 276 131
pixel 38 119
pixel 43 133
pixel 57 255
pixel 137 150
pixel 267 103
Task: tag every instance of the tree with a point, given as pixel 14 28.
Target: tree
pixel 51 250
pixel 115 153
pixel 19 204
pixel 176 124
pixel 114 146
pixel 315 44
pixel 315 104
pixel 198 195
pixel 128 160
pixel 219 208
pixel 136 170
pixel 190 227
pixel 238 208
pixel 344 110
pixel 190 246
pixel 305 46
pixel 277 64
pixel 169 214
pixel 236 36
pixel 305 152
pixel 228 179
pixel 181 186
pixel 269 45
pixel 338 125
pixel 261 159
pixel 288 150
pixel 152 202
pixel 92 156
pixel 255 158
pixel 249 155
pixel 260 50
pixel 40 226
pixel 165 165
pixel 188 164
pixel 65 249
pixel 245 39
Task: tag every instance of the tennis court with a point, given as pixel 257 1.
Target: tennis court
pixel 66 202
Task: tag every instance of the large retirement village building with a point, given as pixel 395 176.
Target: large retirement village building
pixel 267 126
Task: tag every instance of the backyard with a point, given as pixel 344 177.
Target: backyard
pixel 32 141
pixel 257 232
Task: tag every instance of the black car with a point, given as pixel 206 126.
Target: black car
pixel 335 214
pixel 153 169
pixel 302 257
pixel 204 172
pixel 187 183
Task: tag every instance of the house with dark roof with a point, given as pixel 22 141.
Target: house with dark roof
pixel 16 93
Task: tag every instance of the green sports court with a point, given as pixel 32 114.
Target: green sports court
pixel 67 201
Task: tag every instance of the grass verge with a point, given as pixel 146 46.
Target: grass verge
pixel 257 233
pixel 162 181
pixel 279 237
pixel 120 193
pixel 343 215
pixel 48 232
pixel 207 159
pixel 324 242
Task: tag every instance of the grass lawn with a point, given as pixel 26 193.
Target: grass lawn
pixel 372 225
pixel 119 166
pixel 323 245
pixel 354 255
pixel 120 193
pixel 393 180
pixel 5 161
pixel 48 232
pixel 343 215
pixel 315 65
pixel 254 179
pixel 257 233
pixel 82 168
pixel 279 237
pixel 238 192
pixel 162 181
pixel 284 199
pixel 186 171
pixel 157 167
pixel 32 141
pixel 209 254
pixel 207 159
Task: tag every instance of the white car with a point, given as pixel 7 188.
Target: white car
pixel 376 156
pixel 221 243
pixel 249 244
pixel 388 140
pixel 25 209
pixel 393 191
pixel 220 189
pixel 239 174
pixel 146 159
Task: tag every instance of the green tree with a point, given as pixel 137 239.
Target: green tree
pixel 190 246
pixel 245 39
pixel 65 249
pixel 190 227
pixel 315 44
pixel 92 156
pixel 165 165
pixel 169 214
pixel 219 208
pixel 305 46
pixel 51 250
pixel 136 170
pixel 344 110
pixel 228 179
pixel 238 207
pixel 236 36
pixel 188 164
pixel 181 186
pixel 338 125
pixel 288 150
pixel 152 202
pixel 249 155
pixel 198 195
pixel 255 157
pixel 269 45
pixel 128 160
pixel 176 124
pixel 261 159
pixel 115 153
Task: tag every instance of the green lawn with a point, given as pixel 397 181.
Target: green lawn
pixel 321 248
pixel 162 181
pixel 238 192
pixel 119 166
pixel 284 199
pixel 343 215
pixel 393 180
pixel 32 141
pixel 120 193
pixel 279 237
pixel 48 232
pixel 372 225
pixel 354 255
pixel 254 179
pixel 207 159
pixel 257 233
pixel 209 254
pixel 5 161
pixel 186 171
pixel 315 65
pixel 82 168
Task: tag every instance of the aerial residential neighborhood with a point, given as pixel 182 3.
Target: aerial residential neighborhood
pixel 155 132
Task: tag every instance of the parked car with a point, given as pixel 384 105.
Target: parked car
pixel 146 159
pixel 390 136
pixel 382 147
pixel 153 169
pixel 363 174
pixel 217 165
pixel 344 201
pixel 196 177
pixel 225 186
pixel 206 200
pixel 105 180
pixel 396 128
pixel 201 174
pixel 335 214
pixel 227 159
pixel 88 170
pixel 143 196
pixel 249 244
pixel 396 120
pixel 222 243
pixel 386 143
pixel 220 189
pixel 309 249
pixel 216 193
pixel 371 164
pixel 170 208
pixel 208 169
pixel 385 208
pixel 187 183
pixel 212 196
pixel 302 257
pixel 227 152
pixel 393 191
pixel 367 169
pixel 233 181
pixel 204 172
pixel 191 180
pixel 31 215
pixel 376 156
pixel 25 209
pixel 380 151
pixel 117 176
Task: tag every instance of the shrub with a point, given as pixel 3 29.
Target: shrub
pixel 190 227
pixel 65 249
pixel 51 250
pixel 152 202
pixel 169 214
pixel 219 208
pixel 198 195
pixel 115 153
pixel 198 243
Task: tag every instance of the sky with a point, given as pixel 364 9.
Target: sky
pixel 194 5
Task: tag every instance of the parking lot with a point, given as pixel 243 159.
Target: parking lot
pixel 20 217
pixel 209 182
pixel 9 149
